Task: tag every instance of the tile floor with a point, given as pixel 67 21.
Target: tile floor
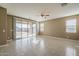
pixel 41 46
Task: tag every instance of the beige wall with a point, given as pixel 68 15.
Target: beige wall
pixel 56 28
pixel 9 26
pixel 3 27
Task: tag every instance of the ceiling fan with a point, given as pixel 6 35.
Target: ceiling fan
pixel 44 13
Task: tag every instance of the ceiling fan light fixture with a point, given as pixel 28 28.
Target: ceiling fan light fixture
pixel 64 4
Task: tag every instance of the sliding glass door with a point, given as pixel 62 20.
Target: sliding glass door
pixel 25 29
pixel 18 29
pixel 29 29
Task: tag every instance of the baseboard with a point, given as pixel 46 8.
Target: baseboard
pixel 3 44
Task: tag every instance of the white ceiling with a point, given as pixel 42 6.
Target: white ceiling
pixel 33 11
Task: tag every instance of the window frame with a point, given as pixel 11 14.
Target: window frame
pixel 68 26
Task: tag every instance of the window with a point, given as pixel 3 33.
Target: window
pixel 71 26
pixel 42 27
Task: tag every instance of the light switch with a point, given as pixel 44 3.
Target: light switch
pixel 3 30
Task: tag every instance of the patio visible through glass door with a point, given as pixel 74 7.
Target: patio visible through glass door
pixel 25 29
pixel 18 29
